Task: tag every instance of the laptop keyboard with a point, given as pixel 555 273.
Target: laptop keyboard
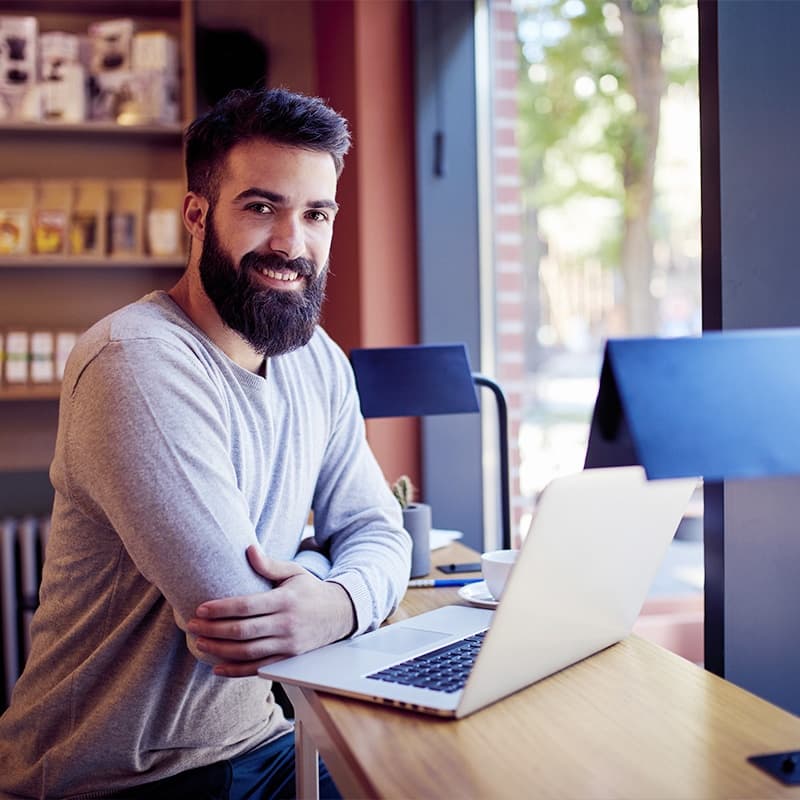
pixel 443 670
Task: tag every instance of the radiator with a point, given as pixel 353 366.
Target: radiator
pixel 22 546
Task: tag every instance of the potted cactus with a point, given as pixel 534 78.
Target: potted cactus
pixel 417 521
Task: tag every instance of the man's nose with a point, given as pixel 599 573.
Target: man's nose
pixel 286 237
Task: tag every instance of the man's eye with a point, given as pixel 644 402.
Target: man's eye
pixel 317 216
pixel 259 208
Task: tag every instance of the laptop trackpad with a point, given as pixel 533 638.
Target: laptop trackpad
pixel 395 639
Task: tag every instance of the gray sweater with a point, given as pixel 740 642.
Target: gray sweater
pixel 170 460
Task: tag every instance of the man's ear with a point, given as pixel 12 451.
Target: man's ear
pixel 195 213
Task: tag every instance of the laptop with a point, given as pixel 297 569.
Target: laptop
pixel 593 549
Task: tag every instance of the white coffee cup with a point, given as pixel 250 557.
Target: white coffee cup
pixel 496 567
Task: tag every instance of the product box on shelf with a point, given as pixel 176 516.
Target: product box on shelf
pixel 51 217
pixel 18 39
pixel 57 48
pixel 111 42
pixel 127 202
pixel 19 95
pixel 65 99
pixel 14 231
pixel 63 77
pixel 42 365
pixel 134 98
pixel 87 228
pixel 158 99
pixel 16 360
pixel 65 341
pixel 155 51
pixel 155 59
pixel 16 209
pixel 112 96
pixel 164 227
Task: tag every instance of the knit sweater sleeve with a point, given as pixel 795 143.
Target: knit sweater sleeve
pixel 146 452
pixel 357 517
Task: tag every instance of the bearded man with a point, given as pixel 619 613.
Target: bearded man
pixel 197 430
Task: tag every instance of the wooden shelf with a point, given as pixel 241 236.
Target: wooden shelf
pixel 69 291
pixel 84 129
pixel 27 392
pixel 92 262
pixel 100 8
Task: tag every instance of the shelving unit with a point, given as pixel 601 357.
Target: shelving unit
pixel 88 129
pixel 91 262
pixel 32 392
pixel 72 292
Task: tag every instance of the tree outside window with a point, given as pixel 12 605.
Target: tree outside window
pixel 601 129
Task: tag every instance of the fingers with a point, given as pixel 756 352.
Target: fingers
pixel 244 606
pixel 243 652
pixel 236 629
pixel 252 604
pixel 271 568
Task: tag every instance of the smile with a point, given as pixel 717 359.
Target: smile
pixel 279 276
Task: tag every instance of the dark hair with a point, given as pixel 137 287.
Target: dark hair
pixel 277 115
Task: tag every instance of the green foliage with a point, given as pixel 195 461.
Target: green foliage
pixel 580 130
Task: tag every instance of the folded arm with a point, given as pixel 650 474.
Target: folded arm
pixel 300 613
pixel 358 524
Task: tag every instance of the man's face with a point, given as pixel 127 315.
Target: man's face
pixel 267 241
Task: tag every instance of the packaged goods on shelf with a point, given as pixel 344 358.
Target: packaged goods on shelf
pixel 126 217
pixel 111 42
pixel 155 51
pixel 57 48
pixel 65 100
pixel 157 99
pixel 16 209
pixel 114 73
pixel 87 229
pixel 65 341
pixel 155 57
pixel 112 96
pixel 51 217
pixel 91 217
pixel 35 358
pixel 113 89
pixel 63 77
pixel 42 366
pixel 163 218
pixel 17 357
pixel 18 53
pixel 134 98
pixel 14 231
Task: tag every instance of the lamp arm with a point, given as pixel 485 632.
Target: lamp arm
pixel 502 422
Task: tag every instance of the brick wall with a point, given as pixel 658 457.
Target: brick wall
pixel 508 241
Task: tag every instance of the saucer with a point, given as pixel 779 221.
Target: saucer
pixel 477 595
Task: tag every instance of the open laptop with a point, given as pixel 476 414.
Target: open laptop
pixel 579 582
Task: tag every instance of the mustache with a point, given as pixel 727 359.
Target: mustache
pixel 258 261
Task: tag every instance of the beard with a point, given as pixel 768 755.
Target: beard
pixel 271 321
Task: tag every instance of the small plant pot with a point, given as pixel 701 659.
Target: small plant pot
pixel 417 521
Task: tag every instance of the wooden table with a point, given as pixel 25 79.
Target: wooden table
pixel 634 721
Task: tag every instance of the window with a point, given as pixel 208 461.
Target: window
pixel 595 220
pixel 595 206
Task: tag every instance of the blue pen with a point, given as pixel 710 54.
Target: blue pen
pixel 424 583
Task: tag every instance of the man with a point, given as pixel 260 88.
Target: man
pixel 197 429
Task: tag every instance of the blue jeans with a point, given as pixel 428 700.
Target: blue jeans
pixel 262 774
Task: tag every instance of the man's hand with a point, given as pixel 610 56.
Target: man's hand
pixel 300 613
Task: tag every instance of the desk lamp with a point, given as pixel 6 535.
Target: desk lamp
pixel 721 406
pixel 424 380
